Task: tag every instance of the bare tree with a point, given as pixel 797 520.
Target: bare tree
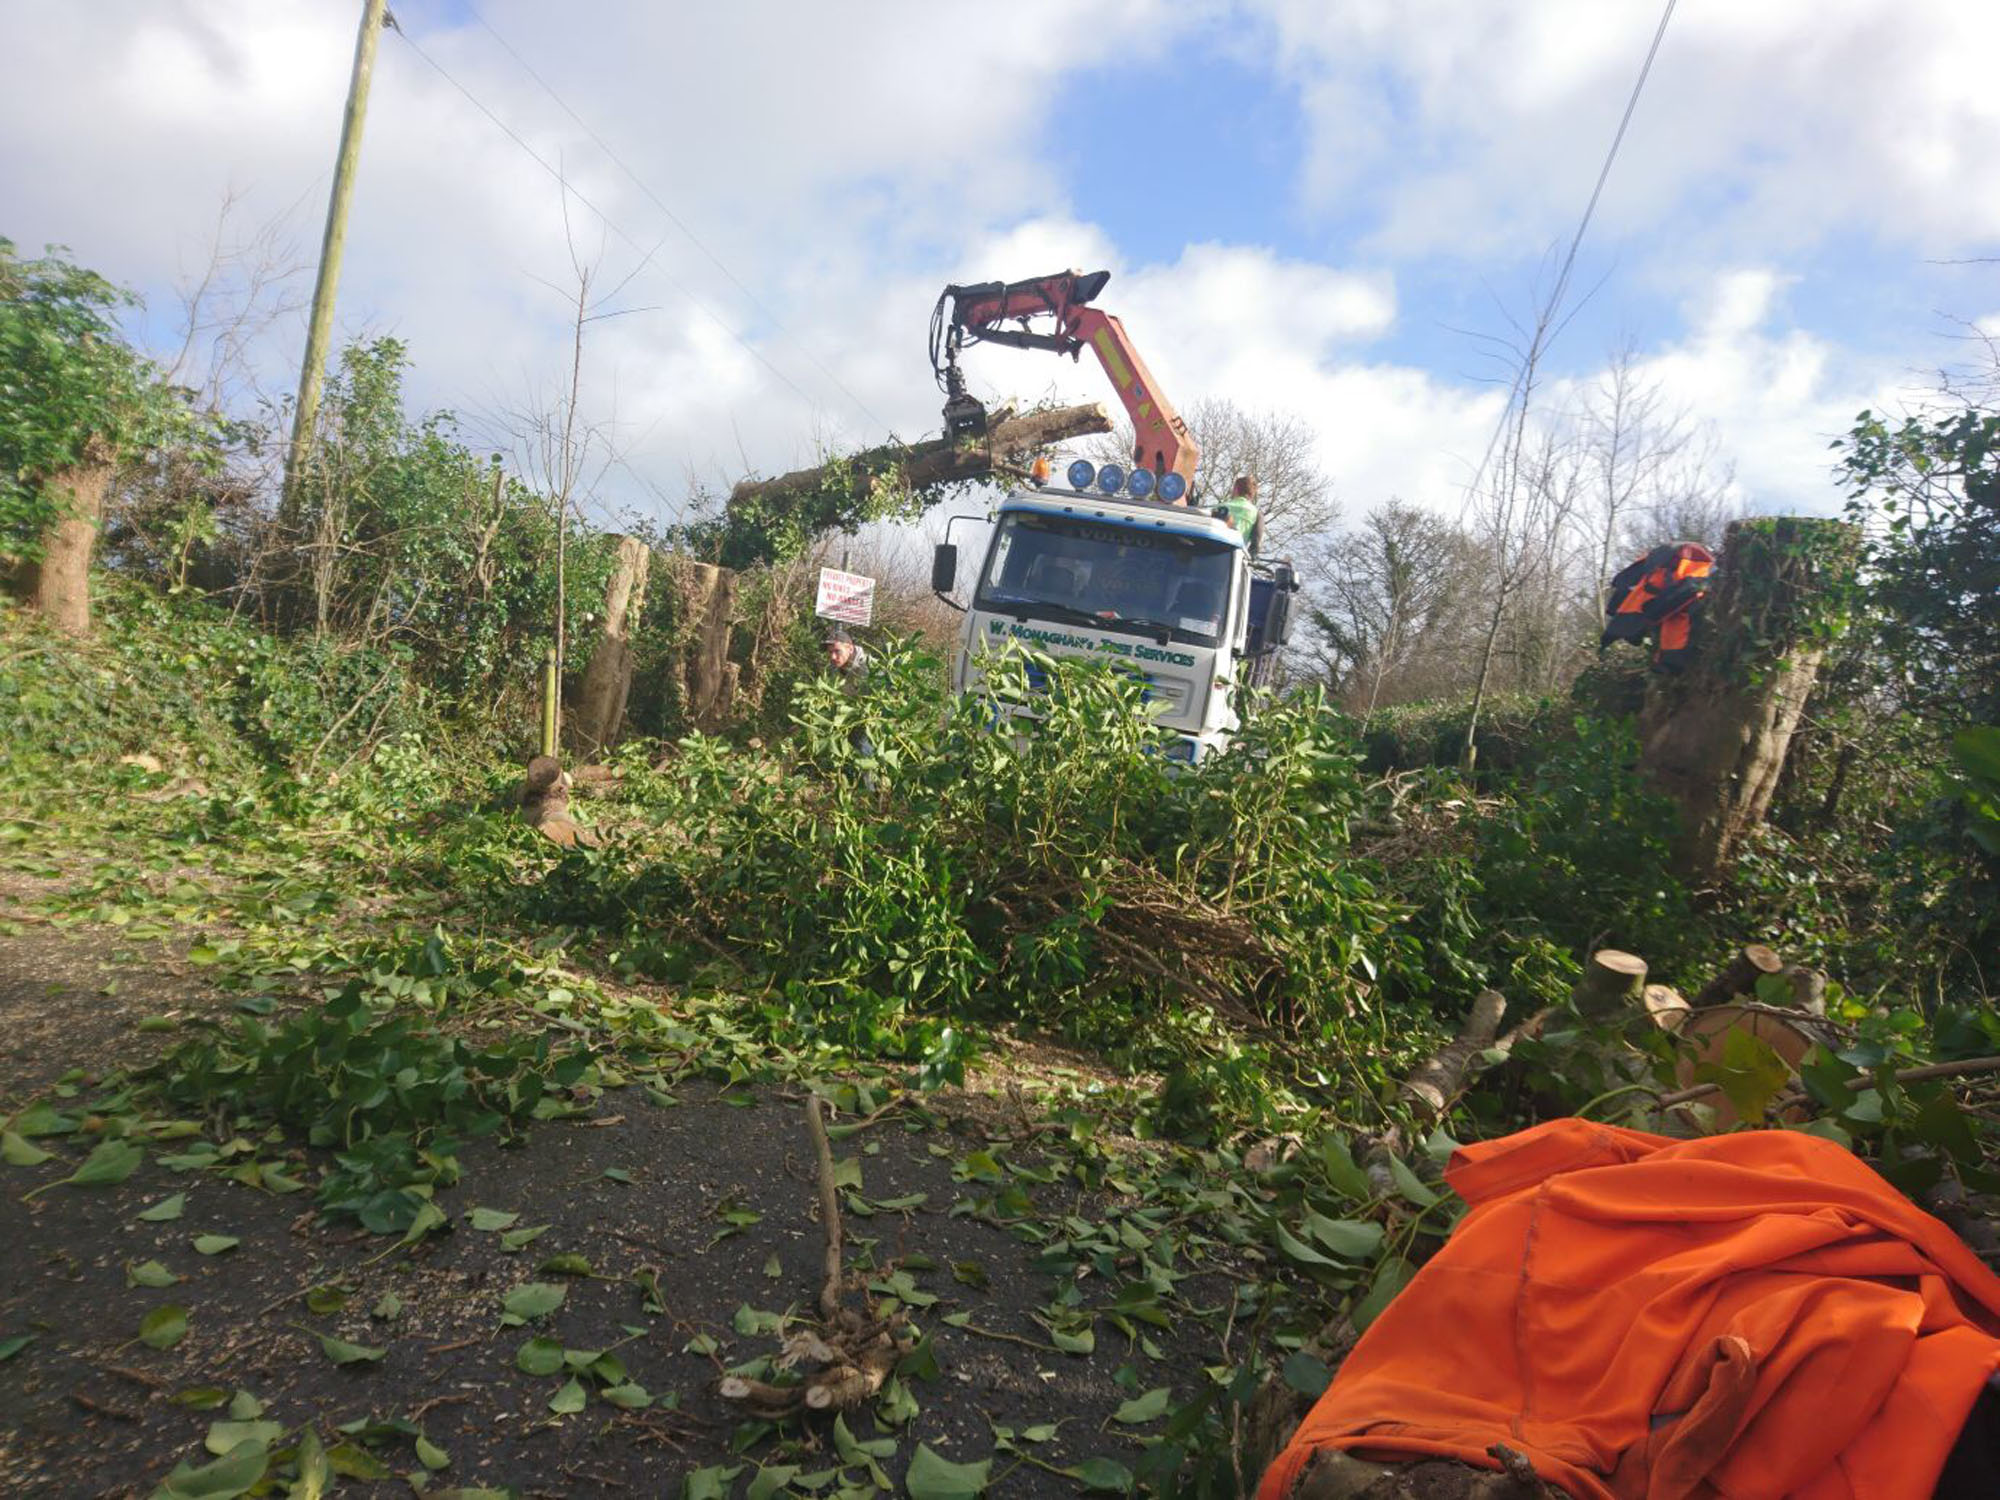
pixel 1540 634
pixel 174 512
pixel 1524 500
pixel 1693 500
pixel 246 285
pixel 1631 442
pixel 1393 598
pixel 1279 449
pixel 564 456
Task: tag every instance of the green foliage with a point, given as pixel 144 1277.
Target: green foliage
pixel 203 692
pixel 431 553
pixel 390 1091
pixel 71 388
pixel 1977 751
pixel 908 862
pixel 1932 485
pixel 1578 847
pixel 1798 588
pixel 1512 730
pixel 777 527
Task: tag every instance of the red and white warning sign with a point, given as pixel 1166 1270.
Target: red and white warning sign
pixel 847 597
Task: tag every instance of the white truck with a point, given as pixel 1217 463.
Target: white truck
pixel 1102 571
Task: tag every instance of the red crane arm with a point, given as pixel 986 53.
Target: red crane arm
pixel 1161 440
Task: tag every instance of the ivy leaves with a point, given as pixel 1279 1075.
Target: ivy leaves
pixel 74 388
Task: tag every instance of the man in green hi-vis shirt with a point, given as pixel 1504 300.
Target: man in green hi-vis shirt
pixel 1242 508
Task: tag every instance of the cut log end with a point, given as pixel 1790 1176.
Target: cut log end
pixel 1666 1006
pixel 1611 979
pixel 1740 975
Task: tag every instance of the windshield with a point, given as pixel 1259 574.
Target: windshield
pixel 1118 577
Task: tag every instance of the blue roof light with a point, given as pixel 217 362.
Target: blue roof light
pixel 1081 473
pixel 1111 479
pixel 1172 487
pixel 1140 485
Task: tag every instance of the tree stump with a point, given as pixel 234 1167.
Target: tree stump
pixel 1714 737
pixel 707 605
pixel 1667 1007
pixel 1610 981
pixel 58 582
pixel 607 682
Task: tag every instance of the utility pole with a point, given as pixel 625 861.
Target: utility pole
pixel 306 413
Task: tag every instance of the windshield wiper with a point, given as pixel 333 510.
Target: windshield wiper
pixel 1159 629
pixel 1022 608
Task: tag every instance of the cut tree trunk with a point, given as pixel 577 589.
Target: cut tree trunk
pixel 607 682
pixel 1714 737
pixel 707 602
pixel 58 583
pixel 1667 1006
pixel 919 466
pixel 1430 1089
pixel 1611 981
pixel 1739 976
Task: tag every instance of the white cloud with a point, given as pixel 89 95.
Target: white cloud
pixel 1774 394
pixel 1461 126
pixel 845 172
pixel 821 160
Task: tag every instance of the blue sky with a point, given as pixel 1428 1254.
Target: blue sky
pixel 1314 206
pixel 1214 112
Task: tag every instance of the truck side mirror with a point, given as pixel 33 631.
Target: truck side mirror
pixel 944 568
pixel 1279 631
pixel 1278 612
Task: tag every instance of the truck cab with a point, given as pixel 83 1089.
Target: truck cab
pixel 1168 592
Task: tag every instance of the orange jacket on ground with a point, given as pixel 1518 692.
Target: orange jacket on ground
pixel 1746 1316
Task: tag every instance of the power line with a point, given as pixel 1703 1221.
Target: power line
pixel 1618 140
pixel 609 223
pixel 678 222
pixel 1569 260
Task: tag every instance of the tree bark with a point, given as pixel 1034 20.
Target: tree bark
pixel 1429 1090
pixel 1714 738
pixel 923 465
pixel 1739 976
pixel 58 583
pixel 607 681
pixel 707 601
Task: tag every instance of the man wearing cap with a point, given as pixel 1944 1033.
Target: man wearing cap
pixel 847 658
pixel 844 656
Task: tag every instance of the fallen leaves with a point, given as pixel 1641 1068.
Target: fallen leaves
pixel 164 1327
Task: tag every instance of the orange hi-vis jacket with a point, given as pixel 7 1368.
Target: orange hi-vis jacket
pixel 1660 590
pixel 1749 1316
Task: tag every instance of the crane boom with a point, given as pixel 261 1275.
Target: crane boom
pixel 1161 440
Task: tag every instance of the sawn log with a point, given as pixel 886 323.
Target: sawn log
pixel 938 461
